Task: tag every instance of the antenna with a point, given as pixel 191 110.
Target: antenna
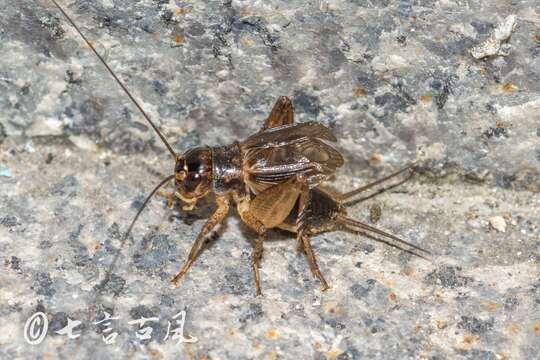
pixel 120 83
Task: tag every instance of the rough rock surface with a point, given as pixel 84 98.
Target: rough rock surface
pixel 394 80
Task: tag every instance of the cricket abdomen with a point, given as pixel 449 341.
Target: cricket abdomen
pixel 320 216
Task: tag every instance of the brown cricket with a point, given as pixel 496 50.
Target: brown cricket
pixel 274 178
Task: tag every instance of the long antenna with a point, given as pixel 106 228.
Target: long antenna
pixel 163 182
pixel 109 272
pixel 117 79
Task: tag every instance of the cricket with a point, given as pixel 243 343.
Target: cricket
pixel 275 179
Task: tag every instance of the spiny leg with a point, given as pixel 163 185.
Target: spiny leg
pixel 282 114
pixel 256 257
pixel 303 239
pixel 313 262
pixel 216 218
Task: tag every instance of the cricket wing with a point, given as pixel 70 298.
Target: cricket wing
pixel 286 133
pixel 311 157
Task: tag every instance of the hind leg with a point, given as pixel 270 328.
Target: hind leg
pixel 282 114
pixel 306 243
pixel 303 238
pixel 256 256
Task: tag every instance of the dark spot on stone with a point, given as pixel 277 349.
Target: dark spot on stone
pixel 15 264
pixel 350 354
pixel 510 303
pixel 402 39
pixel 74 235
pixel 504 180
pixel 3 133
pixel 68 183
pixel 160 3
pixel 491 108
pixel 482 28
pixel 374 326
pixel 58 321
pixel 9 221
pixel 113 284
pixel 367 81
pixel 372 3
pixel 257 25
pixel 235 283
pixel 45 244
pixel 448 277
pixel 368 248
pixel 306 103
pixel 106 21
pixel 40 307
pixel 535 50
pixel 337 58
pixel 92 111
pixel 138 202
pixel 253 312
pixel 358 265
pixel 441 98
pixel 42 284
pixel 25 90
pixel 139 126
pixel 360 291
pixel 196 29
pixel 392 101
pixel 334 324
pixel 53 24
pixel 477 354
pixel 159 87
pixel 166 300
pixel 475 326
pixel 495 132
pixel 70 78
pixel 167 16
pixel 535 290
pixel 114 232
pixel 68 111
pixel 49 158
pixel 154 252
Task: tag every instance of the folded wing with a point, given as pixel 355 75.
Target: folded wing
pixel 277 154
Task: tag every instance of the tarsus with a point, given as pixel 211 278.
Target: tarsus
pixel 173 153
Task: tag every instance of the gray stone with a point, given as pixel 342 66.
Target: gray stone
pixel 394 80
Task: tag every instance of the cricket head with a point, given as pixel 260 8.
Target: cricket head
pixel 193 175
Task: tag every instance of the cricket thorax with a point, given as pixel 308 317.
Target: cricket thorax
pixel 226 167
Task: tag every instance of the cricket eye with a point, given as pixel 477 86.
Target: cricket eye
pixel 198 163
pixel 192 181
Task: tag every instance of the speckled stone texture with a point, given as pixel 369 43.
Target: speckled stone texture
pixel 395 81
